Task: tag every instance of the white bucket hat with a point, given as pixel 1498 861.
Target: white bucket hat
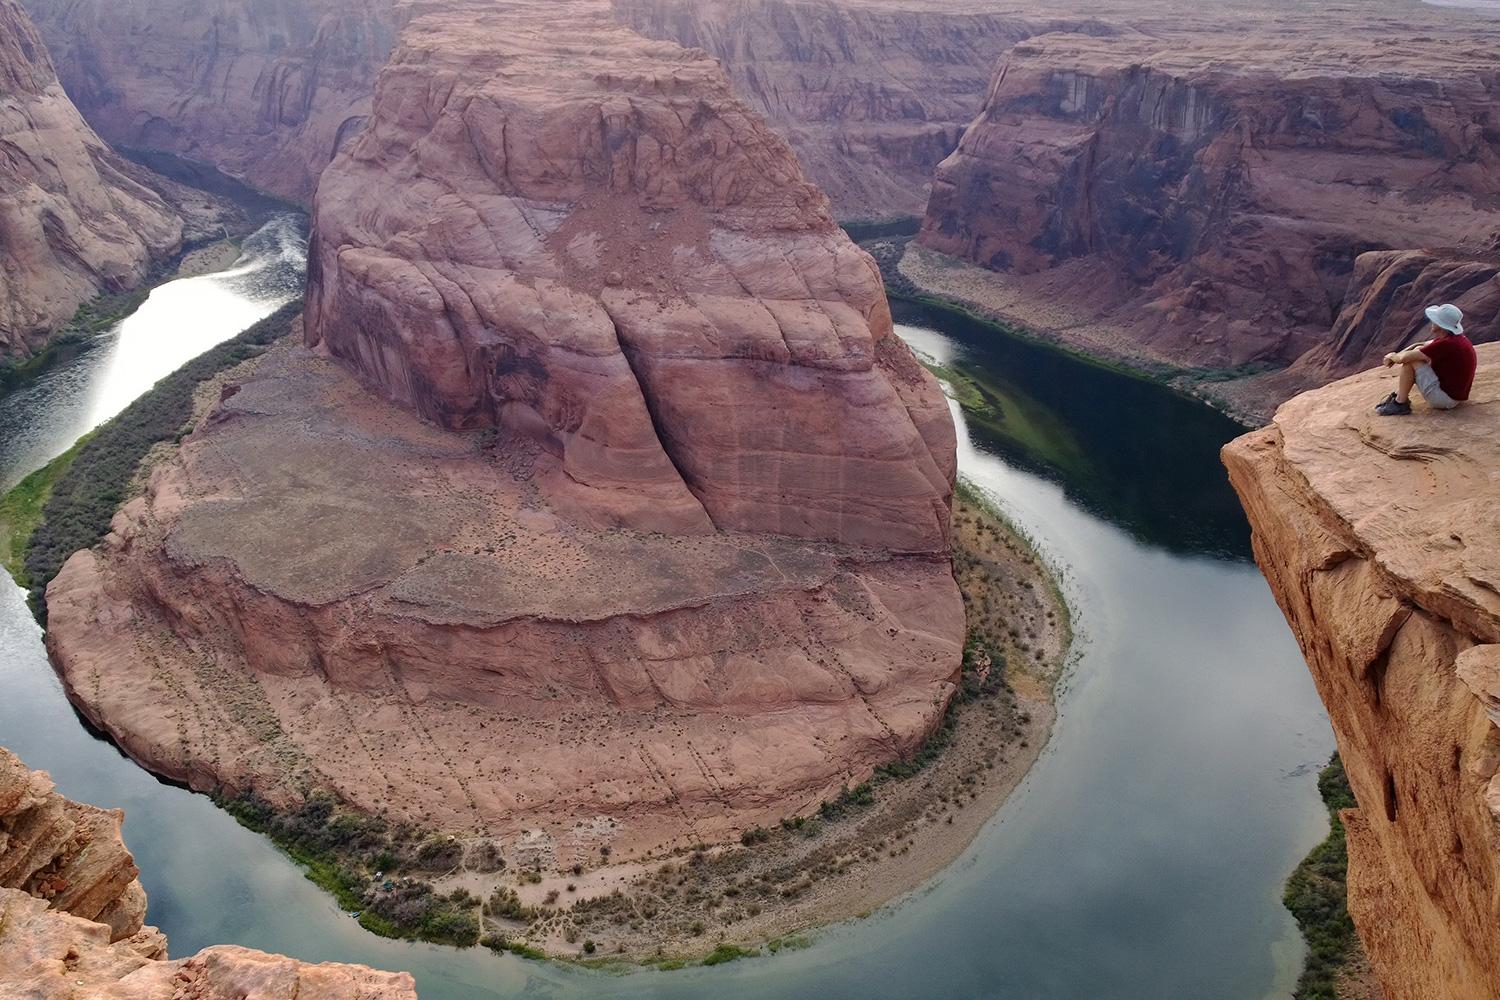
pixel 1447 316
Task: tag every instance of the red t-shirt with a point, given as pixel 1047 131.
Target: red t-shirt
pixel 1453 362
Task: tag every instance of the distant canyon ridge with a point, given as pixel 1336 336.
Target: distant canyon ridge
pixel 1267 192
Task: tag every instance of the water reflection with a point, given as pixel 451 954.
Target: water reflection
pixel 1141 457
pixel 178 321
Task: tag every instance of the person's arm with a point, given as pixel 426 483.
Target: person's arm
pixel 1410 356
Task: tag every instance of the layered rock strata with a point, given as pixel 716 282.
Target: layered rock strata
pixel 872 94
pixel 1381 540
pixel 657 545
pixel 1382 309
pixel 66 853
pixel 71 912
pixel 1199 194
pixel 266 90
pixel 73 221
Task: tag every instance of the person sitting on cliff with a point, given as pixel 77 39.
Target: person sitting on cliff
pixel 1442 369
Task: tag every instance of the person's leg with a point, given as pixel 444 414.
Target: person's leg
pixel 1407 380
pixel 1432 390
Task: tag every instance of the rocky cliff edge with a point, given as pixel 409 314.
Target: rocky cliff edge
pixel 1381 540
pixel 71 912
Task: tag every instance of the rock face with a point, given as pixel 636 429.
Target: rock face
pixel 1381 540
pixel 871 95
pixel 69 855
pixel 659 297
pixel 1201 192
pixel 666 558
pixel 71 910
pixel 73 221
pixel 1382 309
pixel 266 90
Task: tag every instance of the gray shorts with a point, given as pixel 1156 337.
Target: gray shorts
pixel 1427 382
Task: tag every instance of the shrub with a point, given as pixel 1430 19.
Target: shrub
pixel 1317 894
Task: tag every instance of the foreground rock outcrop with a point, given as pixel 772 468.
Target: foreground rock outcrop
pixel 74 221
pixel 632 531
pixel 66 853
pixel 71 912
pixel 1198 194
pixel 1381 540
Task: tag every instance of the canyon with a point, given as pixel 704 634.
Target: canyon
pixel 871 94
pixel 1162 189
pixel 1379 539
pixel 267 91
pixel 1201 195
pixel 76 220
pixel 659 551
pixel 72 918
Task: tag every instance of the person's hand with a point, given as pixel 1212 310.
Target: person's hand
pixel 1390 359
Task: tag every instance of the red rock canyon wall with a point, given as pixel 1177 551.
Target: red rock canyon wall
pixel 73 221
pixel 266 90
pixel 1204 190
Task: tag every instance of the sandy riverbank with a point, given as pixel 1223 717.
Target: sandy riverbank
pixel 208 259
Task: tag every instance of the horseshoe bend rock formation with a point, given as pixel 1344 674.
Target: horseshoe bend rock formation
pixel 71 912
pixel 1199 194
pixel 73 222
pixel 633 525
pixel 1381 540
pixel 266 90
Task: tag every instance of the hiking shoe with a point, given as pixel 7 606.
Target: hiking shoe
pixel 1391 408
pixel 1388 399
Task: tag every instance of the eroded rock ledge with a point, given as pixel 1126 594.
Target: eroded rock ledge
pixel 1381 540
pixel 71 912
pixel 646 542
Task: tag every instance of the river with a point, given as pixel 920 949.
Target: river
pixel 1142 858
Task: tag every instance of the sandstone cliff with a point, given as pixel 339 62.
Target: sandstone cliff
pixel 667 557
pixel 73 222
pixel 65 853
pixel 1199 193
pixel 266 90
pixel 1382 309
pixel 871 94
pixel 71 910
pixel 1381 540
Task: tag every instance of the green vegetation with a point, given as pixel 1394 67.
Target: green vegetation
pixel 1012 418
pixel 86 491
pixel 729 953
pixel 21 511
pixel 1317 895
pixel 361 859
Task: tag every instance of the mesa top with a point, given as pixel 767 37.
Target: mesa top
pixel 1453 362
